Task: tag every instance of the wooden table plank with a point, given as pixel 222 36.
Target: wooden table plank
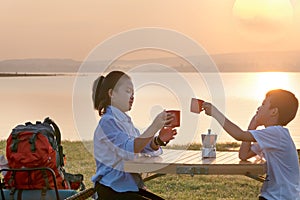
pixel 170 155
pixel 177 161
pixel 188 156
pixel 193 158
pixel 229 158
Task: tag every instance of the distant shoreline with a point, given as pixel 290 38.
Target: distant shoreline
pixel 266 61
pixel 30 74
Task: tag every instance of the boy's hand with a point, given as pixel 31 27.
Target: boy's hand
pixel 208 107
pixel 253 123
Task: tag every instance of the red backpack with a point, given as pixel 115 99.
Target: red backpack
pixel 35 146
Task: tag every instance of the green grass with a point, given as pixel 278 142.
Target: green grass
pixel 205 187
pixel 80 160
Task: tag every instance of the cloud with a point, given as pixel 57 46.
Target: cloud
pixel 263 15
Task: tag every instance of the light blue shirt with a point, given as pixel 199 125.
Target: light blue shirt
pixel 113 144
pixel 275 144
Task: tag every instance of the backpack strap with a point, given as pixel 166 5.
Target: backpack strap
pixel 58 139
pixel 32 142
pixel 45 176
pixel 56 129
pixel 19 196
pixel 43 194
pixel 12 193
pixel 15 141
pixel 1 188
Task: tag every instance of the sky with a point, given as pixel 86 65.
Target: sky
pixel 71 29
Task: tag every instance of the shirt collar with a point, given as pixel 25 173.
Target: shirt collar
pixel 118 114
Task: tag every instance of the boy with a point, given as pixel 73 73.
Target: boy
pixel 273 142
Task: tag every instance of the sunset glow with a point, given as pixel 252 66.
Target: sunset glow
pixel 263 9
pixel 263 20
pixel 71 29
pixel 271 80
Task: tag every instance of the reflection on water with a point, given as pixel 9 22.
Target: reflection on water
pixel 34 98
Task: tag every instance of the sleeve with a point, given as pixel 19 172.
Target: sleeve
pixel 256 149
pixel 149 151
pixel 119 140
pixel 268 138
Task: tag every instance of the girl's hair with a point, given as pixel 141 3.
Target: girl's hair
pixel 287 105
pixel 101 86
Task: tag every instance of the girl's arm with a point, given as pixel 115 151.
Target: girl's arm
pixel 153 148
pixel 160 120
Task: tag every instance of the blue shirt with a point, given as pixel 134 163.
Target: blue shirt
pixel 113 144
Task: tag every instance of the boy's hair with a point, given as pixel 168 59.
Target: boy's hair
pixel 287 105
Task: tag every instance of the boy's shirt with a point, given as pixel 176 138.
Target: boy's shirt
pixel 275 144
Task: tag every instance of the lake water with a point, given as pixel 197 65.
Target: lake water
pixel 67 100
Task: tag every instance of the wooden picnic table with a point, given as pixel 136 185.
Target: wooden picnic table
pixel 191 162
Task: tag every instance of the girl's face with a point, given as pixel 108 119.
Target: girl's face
pixel 122 95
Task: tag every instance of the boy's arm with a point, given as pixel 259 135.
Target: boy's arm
pixel 231 128
pixel 245 151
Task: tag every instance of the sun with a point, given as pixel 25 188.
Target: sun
pixel 267 81
pixel 269 8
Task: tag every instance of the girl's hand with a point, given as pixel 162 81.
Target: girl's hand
pixel 162 119
pixel 167 133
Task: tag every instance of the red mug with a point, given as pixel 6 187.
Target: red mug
pixel 176 121
pixel 196 105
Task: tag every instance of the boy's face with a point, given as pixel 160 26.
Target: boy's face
pixel 264 112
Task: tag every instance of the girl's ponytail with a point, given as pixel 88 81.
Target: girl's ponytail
pixel 101 87
pixel 96 91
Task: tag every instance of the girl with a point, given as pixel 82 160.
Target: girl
pixel 116 139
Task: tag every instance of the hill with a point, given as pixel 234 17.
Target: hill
pixel 39 65
pixel 234 62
